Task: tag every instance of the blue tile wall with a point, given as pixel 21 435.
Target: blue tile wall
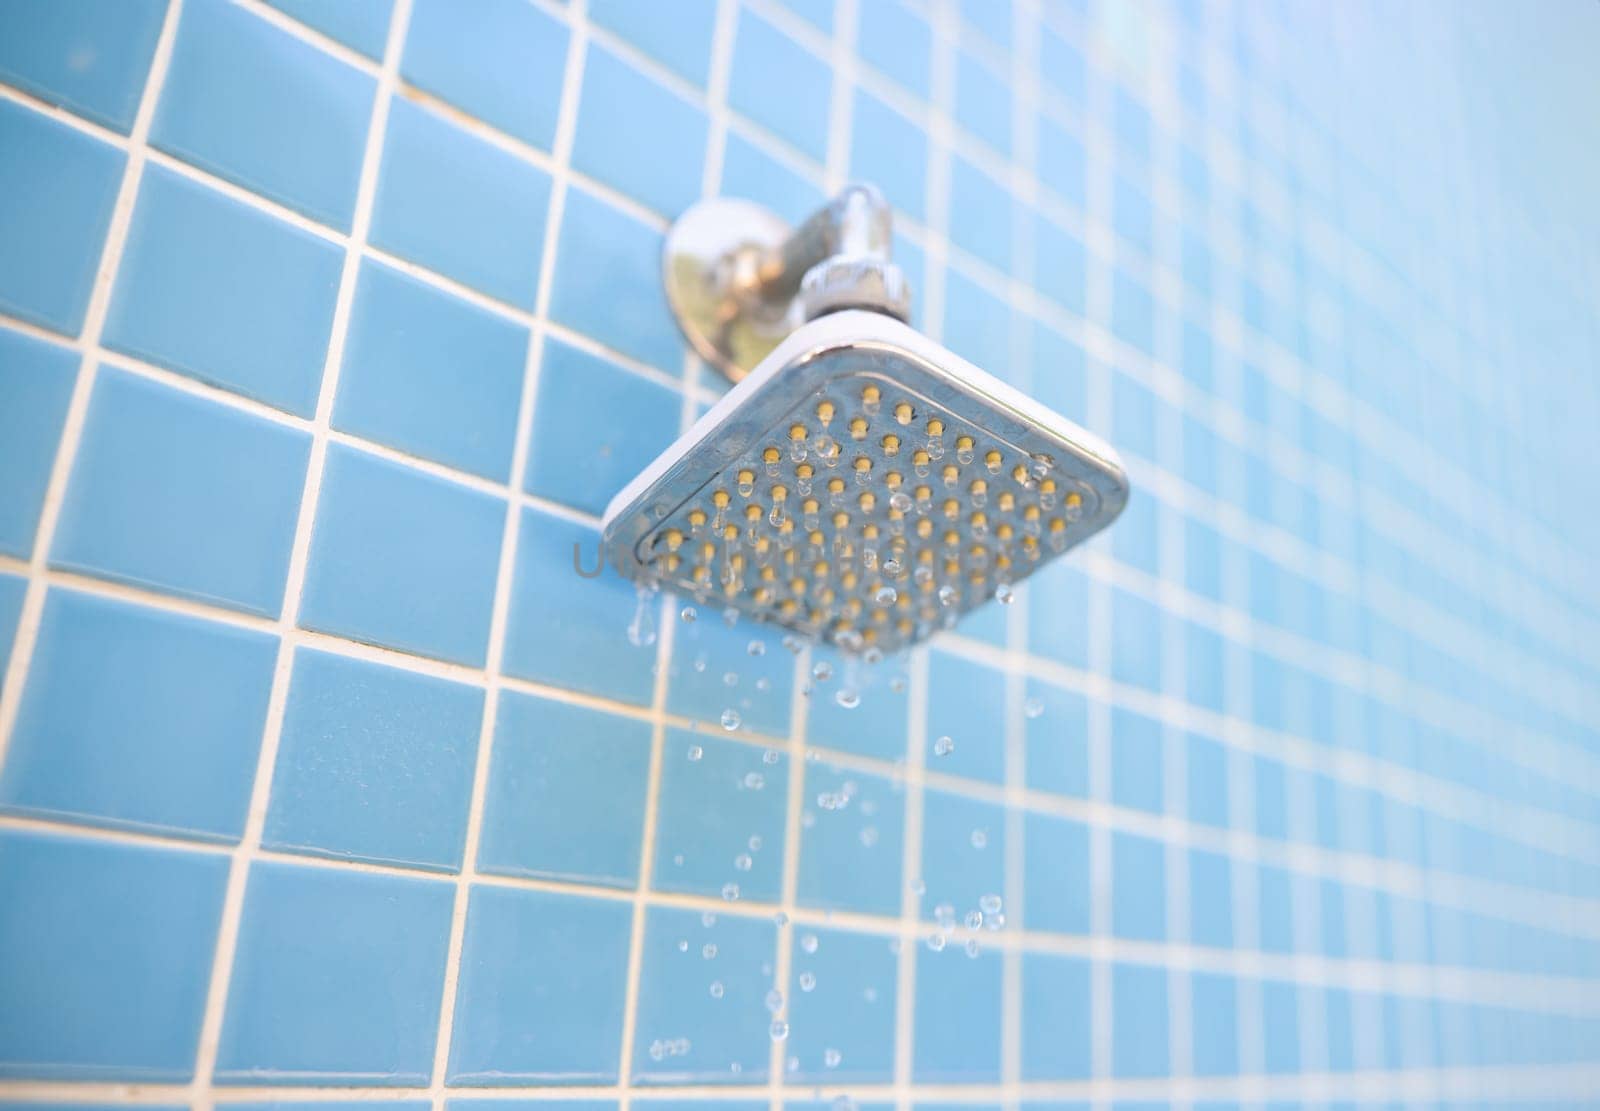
pixel 332 762
pixel 220 291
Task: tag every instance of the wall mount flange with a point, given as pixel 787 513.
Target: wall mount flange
pixel 739 279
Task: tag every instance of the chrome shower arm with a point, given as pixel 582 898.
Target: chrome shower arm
pixel 740 280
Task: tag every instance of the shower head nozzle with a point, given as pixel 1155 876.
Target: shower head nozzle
pixel 864 486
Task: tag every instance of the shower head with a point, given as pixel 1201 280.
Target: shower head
pixel 861 484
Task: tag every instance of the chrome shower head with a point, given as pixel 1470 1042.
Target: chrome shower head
pixel 861 484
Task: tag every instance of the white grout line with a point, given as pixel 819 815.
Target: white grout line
pixel 250 843
pixel 27 632
pixel 505 582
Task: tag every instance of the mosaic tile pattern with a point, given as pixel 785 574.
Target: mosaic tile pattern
pixel 328 779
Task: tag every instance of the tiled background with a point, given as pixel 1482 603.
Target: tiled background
pixel 326 329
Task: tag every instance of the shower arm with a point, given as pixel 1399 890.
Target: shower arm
pixel 739 279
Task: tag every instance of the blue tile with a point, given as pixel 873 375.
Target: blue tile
pixel 595 427
pixel 477 1103
pixel 963 852
pixel 983 226
pixel 1056 1030
pixel 90 56
pixel 1138 888
pixel 780 85
pixel 402 558
pixel 568 630
pixel 1132 312
pixel 876 726
pixel 36 380
pixel 431 374
pixel 453 203
pixel 891 151
pixel 851 849
pixel 1139 1021
pixel 57 187
pixel 842 1026
pixel 110 948
pixel 1131 215
pixel 1136 761
pixel 638 136
pixel 1275 932
pixel 374 764
pixel 123 758
pixel 818 13
pixel 896 40
pixel 1055 869
pixel 1210 899
pixel 155 496
pixel 717 823
pixel 950 1049
pixel 325 990
pixel 499 60
pixel 983 103
pixel 1058 604
pixel 362 25
pixel 702 1014
pixel 1059 263
pixel 542 983
pixel 1061 66
pixel 707 651
pixel 1214 1000
pixel 13 588
pixel 224 293
pixel 1280 1025
pixel 677 35
pixel 751 173
pixel 967 703
pixel 608 283
pixel 259 106
pixel 566 794
pixel 1135 641
pixel 1063 165
pixel 977 326
pixel 1057 741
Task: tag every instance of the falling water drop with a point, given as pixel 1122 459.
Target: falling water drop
pixel 709 950
pixel 756 648
pixel 885 595
pixel 808 981
pixel 822 671
pixel 1004 594
pixel 779 1030
pixel 642 629
pixel 730 892
pixel 716 989
pixel 980 839
pixel 694 753
pixel 847 697
pixel 730 719
pixel 944 746
pixel 808 942
pixel 1033 708
pixel 831 1058
pixel 687 614
pixel 989 904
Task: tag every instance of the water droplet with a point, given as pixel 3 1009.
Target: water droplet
pixel 822 671
pixel 793 643
pixel 884 595
pixel 900 501
pixel 947 595
pixel 771 756
pixel 730 892
pixel 974 919
pixel 780 918
pixel 754 843
pixel 716 989
pixel 774 1000
pixel 808 942
pixel 695 752
pixel 989 904
pixel 1033 708
pixel 831 1058
pixel 730 719
pixel 730 678
pixel 754 781
pixel 687 614
pixel 756 648
pixel 743 862
pixel 980 839
pixel 709 950
pixel 847 697
pixel 642 629
pixel 707 919
pixel 869 836
pixel 972 947
pixel 1003 594
pixel 677 858
pixel 780 1030
pixel 944 746
pixel 683 946
pixel 763 684
pixel 918 888
pixel 945 915
pixel 730 617
pixel 736 1067
pixel 994 922
pixel 808 981
pixel 936 942
pixel 898 684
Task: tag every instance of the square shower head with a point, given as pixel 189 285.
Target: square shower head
pixel 865 486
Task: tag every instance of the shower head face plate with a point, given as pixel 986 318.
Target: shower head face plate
pixel 863 486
